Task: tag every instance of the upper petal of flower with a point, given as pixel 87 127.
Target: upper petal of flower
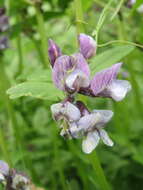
pixel 105 138
pixel 87 45
pixel 54 51
pixel 65 110
pixel 80 63
pixel 90 142
pixel 106 116
pixel 61 66
pixel 104 78
pixel 65 65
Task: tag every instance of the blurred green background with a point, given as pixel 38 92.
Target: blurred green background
pixel 29 138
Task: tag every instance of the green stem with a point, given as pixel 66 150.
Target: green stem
pixel 79 16
pixel 58 162
pixel 11 112
pixel 93 157
pixel 43 37
pixel 20 57
pixel 99 171
pixel 4 148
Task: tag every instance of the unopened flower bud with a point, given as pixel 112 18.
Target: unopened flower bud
pixel 54 52
pixel 87 45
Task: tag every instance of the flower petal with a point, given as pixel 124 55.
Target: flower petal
pixel 105 138
pixel 65 111
pixel 118 89
pixel 104 78
pixel 73 130
pixel 4 168
pixel 89 121
pixel 56 111
pixel 61 66
pixel 54 51
pixel 71 111
pixel 87 45
pixel 90 143
pixel 80 63
pixel 106 116
pixel 76 80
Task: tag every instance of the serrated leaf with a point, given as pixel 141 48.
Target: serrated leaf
pixel 41 90
pixel 109 57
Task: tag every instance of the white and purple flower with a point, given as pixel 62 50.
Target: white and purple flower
pixel 71 74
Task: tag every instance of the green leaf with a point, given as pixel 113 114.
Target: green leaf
pixel 41 90
pixel 41 75
pixel 109 57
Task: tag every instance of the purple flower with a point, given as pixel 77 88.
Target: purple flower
pixel 3 42
pixel 70 73
pixel 87 45
pixel 54 52
pixel 105 84
pixel 4 23
pixel 4 168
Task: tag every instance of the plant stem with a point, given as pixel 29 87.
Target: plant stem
pixel 4 148
pixel 58 162
pixel 5 85
pixel 79 16
pixel 20 57
pixel 42 32
pixel 99 171
pixel 93 157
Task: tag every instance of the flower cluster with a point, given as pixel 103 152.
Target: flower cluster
pixel 13 179
pixel 71 74
pixel 4 25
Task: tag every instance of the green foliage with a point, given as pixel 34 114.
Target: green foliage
pixel 40 90
pixel 48 159
pixel 110 57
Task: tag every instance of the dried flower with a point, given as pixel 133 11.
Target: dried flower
pixel 13 179
pixel 20 181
